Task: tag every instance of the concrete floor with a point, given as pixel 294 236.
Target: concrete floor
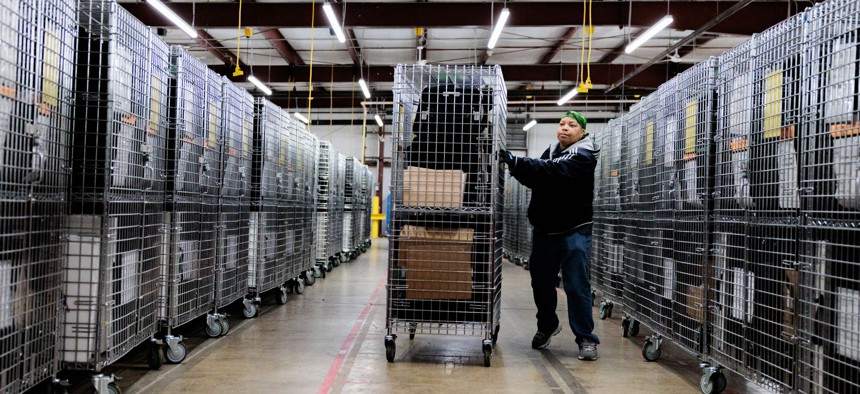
pixel 330 340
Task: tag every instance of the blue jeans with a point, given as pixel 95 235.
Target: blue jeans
pixel 570 252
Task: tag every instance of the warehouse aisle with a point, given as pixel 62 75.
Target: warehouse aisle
pixel 330 339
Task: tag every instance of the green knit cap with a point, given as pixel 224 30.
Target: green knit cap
pixel 575 116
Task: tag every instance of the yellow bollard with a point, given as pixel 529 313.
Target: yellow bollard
pixel 375 218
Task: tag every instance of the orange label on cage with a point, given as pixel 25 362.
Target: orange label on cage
pixel 151 131
pixel 45 109
pixel 232 151
pixel 689 156
pixel 131 119
pixel 786 132
pixel 844 130
pixel 613 173
pixel 188 139
pixel 739 145
pixel 7 91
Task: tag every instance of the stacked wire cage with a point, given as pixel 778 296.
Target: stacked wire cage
pixel 309 147
pixel 292 206
pixel 517 229
pixel 368 189
pixel 269 189
pixel 326 245
pixel 231 266
pixel 112 270
pixel 447 195
pixel 337 214
pixel 351 190
pixel 822 293
pixel 36 83
pixel 608 244
pixel 192 196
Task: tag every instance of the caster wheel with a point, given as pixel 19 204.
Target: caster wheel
pixel 300 286
pixel 250 311
pixel 609 314
pixel 328 268
pixel 154 357
pixel 317 272
pixel 310 279
pixel 113 389
pixel 225 326
pixel 713 385
pixel 281 298
pixel 390 349
pixel 634 328
pixel 412 329
pixel 175 356
pixel 603 312
pixel 496 334
pixel 214 329
pixel 335 262
pixel 650 351
pixel 625 327
pixel 488 354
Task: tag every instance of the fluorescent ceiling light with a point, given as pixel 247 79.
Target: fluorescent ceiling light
pixel 364 88
pixel 301 117
pixel 651 32
pixel 529 125
pixel 567 96
pixel 503 18
pixel 158 5
pixel 332 20
pixel 378 120
pixel 259 85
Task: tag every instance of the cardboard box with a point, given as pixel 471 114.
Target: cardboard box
pixel 695 302
pixel 423 187
pixel 438 262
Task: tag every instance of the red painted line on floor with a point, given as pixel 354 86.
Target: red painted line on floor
pixel 347 343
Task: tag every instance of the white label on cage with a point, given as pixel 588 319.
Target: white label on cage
pixel 231 250
pixel 6 300
pixel 788 197
pixel 846 171
pixel 347 230
pixel 128 263
pixel 737 294
pixel 750 295
pixel 669 148
pixel 847 321
pixel 739 105
pixel 615 254
pixel 740 172
pixel 668 277
pixel 840 90
pixel 187 261
pixel 690 188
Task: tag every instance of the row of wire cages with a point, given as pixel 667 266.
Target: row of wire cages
pixel 283 191
pixel 356 208
pixel 517 240
pixel 36 84
pixel 727 209
pixel 446 206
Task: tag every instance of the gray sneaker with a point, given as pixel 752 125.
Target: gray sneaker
pixel 541 340
pixel 588 351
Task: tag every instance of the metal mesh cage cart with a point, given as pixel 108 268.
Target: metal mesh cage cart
pixel 307 170
pixel 113 263
pixel 291 206
pixel 337 214
pixel 36 83
pixel 271 186
pixel 446 203
pixel 351 189
pixel 517 229
pixel 607 241
pixel 326 175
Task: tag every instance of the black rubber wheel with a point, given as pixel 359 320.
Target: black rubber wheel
pixel 390 349
pixel 650 352
pixel 328 267
pixel 225 326
pixel 154 357
pixel 281 297
pixel 488 354
pixel 609 313
pixel 715 385
pixel 114 389
pixel 603 311
pixel 309 278
pixel 634 328
pixel 300 286
pixel 625 326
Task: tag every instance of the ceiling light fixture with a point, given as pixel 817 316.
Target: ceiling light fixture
pixel 650 33
pixel 530 125
pixel 265 89
pixel 301 117
pixel 364 88
pixel 503 18
pixel 378 120
pixel 567 96
pixel 167 12
pixel 332 20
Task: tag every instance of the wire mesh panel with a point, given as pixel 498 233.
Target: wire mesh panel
pixel 693 154
pixel 629 165
pixel 291 205
pixel 267 171
pixel 349 195
pixel 325 174
pixel 190 151
pixel 336 219
pixel 824 299
pixel 110 283
pixel 446 188
pixel 191 261
pixel 310 144
pixel 116 151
